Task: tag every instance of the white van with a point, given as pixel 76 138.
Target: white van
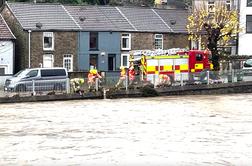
pixel 38 79
pixel 247 67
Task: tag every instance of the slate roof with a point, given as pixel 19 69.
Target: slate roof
pixel 104 18
pixel 5 32
pixel 52 16
pixel 179 15
pixel 145 19
pixel 117 18
pixel 91 18
pixel 99 18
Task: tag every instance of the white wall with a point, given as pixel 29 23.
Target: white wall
pixel 245 39
pixel 6 56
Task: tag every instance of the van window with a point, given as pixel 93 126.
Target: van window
pixel 248 63
pixel 199 57
pixel 53 72
pixel 19 73
pixel 32 73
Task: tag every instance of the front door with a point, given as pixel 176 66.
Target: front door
pixel 111 62
pixel 48 60
pixel 93 61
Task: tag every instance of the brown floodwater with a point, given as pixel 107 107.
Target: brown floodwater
pixel 174 130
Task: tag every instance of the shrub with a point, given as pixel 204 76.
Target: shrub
pixel 148 91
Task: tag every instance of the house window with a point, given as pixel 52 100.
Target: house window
pixel 111 62
pixel 68 62
pixel 249 24
pixel 48 41
pixel 158 41
pixel 211 7
pixel 93 41
pixel 228 5
pixel 48 60
pixel 125 60
pixel 249 3
pixel 126 41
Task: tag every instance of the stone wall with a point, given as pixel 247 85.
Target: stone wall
pixel 64 43
pixel 229 88
pixel 176 41
pixel 147 41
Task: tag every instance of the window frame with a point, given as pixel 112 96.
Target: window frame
pixel 126 36
pixel 127 58
pixel 156 40
pixel 68 57
pixel 250 32
pixel 48 34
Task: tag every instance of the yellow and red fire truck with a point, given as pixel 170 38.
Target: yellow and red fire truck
pixel 177 64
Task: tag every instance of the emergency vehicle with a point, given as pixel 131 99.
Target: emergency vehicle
pixel 176 63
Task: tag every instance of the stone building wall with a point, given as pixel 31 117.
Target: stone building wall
pixel 147 41
pixel 64 43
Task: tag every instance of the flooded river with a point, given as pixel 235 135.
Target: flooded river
pixel 188 130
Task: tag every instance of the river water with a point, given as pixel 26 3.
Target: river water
pixel 177 130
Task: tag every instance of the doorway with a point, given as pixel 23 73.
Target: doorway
pixel 93 61
pixel 111 62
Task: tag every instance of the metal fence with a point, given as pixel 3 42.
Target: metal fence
pixel 41 87
pixel 178 79
pixel 83 85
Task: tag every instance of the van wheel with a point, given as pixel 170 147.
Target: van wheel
pixel 58 87
pixel 21 88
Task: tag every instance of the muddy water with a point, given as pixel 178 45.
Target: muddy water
pixel 190 130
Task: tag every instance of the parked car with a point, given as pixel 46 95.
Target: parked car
pixel 38 79
pixel 247 67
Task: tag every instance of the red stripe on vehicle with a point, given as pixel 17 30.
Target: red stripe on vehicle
pixel 151 72
pixel 177 67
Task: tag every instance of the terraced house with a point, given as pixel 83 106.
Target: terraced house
pixel 112 32
pixel 246 23
pixel 46 35
pixel 82 37
pixel 7 45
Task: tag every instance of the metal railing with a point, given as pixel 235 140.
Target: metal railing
pixel 83 85
pixel 36 87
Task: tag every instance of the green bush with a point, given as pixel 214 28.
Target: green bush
pixel 148 91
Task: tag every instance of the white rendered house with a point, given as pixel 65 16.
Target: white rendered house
pixel 6 49
pixel 245 37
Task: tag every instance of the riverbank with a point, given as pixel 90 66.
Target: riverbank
pixel 201 89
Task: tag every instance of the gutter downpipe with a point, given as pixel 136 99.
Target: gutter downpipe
pixel 29 48
pixel 238 34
